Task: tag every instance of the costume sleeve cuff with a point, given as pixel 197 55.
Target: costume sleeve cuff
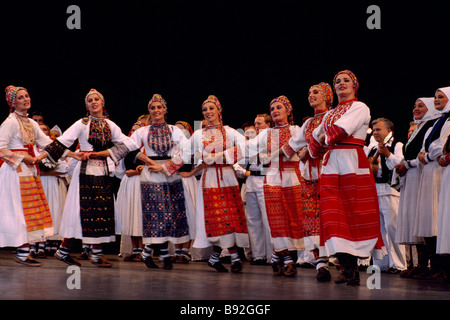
pixel 335 134
pixel 11 158
pixel 287 150
pixel 118 152
pixel 56 150
pixel 172 166
pixel 314 148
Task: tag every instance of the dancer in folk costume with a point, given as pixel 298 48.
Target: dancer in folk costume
pixel 383 156
pixel 190 187
pixel 431 180
pixel 443 239
pixel 89 209
pixel 320 98
pixel 220 216
pixel 128 203
pixel 349 213
pixel 53 178
pixel 25 216
pixel 282 185
pixel 410 172
pixel 163 202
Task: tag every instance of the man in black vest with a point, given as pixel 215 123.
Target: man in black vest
pixel 385 155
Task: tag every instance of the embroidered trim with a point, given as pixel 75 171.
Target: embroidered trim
pixel 55 150
pixel 99 134
pixel 160 139
pixel 118 152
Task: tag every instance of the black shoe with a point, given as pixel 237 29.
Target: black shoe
pixel 168 265
pixel 150 263
pixel 306 265
pixel 67 259
pixel 236 266
pixel 345 275
pixel 391 271
pixel 411 273
pixel 225 259
pixel 218 266
pixel 258 262
pixel 354 281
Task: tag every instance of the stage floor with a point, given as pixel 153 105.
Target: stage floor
pixel 194 281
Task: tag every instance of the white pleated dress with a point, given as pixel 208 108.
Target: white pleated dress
pixel 71 222
pixel 410 183
pixel 13 226
pixel 430 187
pixel 212 180
pixel 443 222
pixel 56 192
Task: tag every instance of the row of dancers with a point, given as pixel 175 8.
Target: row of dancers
pixel 160 200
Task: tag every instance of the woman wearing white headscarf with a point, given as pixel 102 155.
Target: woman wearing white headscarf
pixel 431 179
pixel 410 170
pixel 443 239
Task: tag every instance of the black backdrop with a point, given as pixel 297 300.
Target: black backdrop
pixel 244 52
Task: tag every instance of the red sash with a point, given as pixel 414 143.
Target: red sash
pixel 350 143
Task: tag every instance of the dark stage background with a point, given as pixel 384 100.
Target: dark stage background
pixel 244 52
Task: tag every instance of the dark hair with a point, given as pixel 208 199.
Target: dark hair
pixel 247 124
pixel 36 113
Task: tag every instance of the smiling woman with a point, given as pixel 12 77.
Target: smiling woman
pixel 350 218
pixel 162 218
pixel 211 114
pixel 94 105
pixel 427 225
pixel 410 170
pixel 218 198
pixel 282 185
pixel 320 97
pixel 25 214
pixel 89 209
pixel 157 111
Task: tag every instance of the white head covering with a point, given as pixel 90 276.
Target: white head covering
pixel 446 91
pixel 56 128
pixel 432 113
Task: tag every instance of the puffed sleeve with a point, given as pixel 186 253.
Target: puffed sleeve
pixel 356 116
pixel 7 130
pixel 122 143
